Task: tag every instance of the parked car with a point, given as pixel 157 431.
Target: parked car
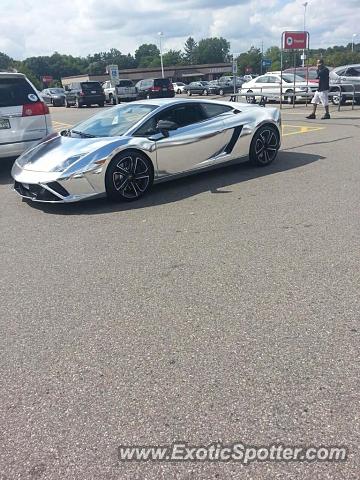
pixel 123 150
pixel 54 96
pixel 198 88
pixel 79 94
pixel 224 86
pixel 155 88
pixel 345 76
pixel 179 87
pixel 269 85
pixel 24 116
pixel 125 91
pixel 309 74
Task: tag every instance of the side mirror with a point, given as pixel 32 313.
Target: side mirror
pixel 164 126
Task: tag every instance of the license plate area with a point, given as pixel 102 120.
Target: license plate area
pixel 4 123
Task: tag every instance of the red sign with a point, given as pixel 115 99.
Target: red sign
pixel 47 78
pixel 295 40
pixel 248 69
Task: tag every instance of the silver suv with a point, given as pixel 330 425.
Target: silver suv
pixel 346 76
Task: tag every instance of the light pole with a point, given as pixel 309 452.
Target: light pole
pixel 352 44
pixel 161 55
pixel 303 55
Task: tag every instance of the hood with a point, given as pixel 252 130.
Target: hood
pixel 56 150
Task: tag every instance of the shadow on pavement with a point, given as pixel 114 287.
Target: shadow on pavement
pixel 180 189
pixel 5 169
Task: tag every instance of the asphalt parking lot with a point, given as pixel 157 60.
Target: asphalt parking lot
pixel 221 307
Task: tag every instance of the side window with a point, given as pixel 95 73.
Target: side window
pixel 182 115
pixel 213 110
pixel 260 80
pixel 352 72
pixel 340 73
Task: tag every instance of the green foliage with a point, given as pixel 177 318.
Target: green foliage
pixel 173 57
pixel 212 50
pixel 6 62
pixel 147 55
pixel 251 58
pixel 190 51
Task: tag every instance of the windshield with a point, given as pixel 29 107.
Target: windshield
pixel 115 121
pixel 289 78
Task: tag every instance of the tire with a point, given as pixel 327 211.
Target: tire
pixel 67 105
pixel 77 103
pixel 148 96
pixel 206 93
pixel 101 104
pixel 250 99
pixel 110 98
pixel 335 99
pixel 289 100
pixel 178 91
pixel 357 101
pixel 264 146
pixel 189 93
pixel 129 176
pixel 221 92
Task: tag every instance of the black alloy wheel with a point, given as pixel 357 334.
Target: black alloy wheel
pixel 264 146
pixel 129 176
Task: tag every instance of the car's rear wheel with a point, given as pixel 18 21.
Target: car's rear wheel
pixel 206 92
pixel 221 92
pixel 129 176
pixel 67 104
pixel 336 99
pixel 289 99
pixel 264 146
pixel 178 91
pixel 250 99
pixel 77 103
pixel 101 104
pixel 189 93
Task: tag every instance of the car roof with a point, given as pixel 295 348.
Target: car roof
pixel 12 75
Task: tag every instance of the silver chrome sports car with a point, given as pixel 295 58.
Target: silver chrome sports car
pixel 123 150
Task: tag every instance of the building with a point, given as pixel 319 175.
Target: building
pixel 177 73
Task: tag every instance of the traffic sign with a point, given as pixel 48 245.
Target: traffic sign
pixel 266 62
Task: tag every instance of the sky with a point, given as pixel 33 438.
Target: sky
pixel 81 27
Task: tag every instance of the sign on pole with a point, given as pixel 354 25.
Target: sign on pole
pixel 113 71
pixel 295 40
pixel 47 78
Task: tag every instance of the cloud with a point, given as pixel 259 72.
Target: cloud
pixel 34 27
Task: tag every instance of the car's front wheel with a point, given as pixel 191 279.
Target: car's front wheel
pixel 221 92
pixel 77 103
pixel 264 146
pixel 129 176
pixel 250 99
pixel 189 93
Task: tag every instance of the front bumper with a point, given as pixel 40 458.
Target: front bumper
pixel 49 187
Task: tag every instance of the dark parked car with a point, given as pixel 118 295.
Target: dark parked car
pixel 54 96
pixel 155 88
pixel 198 88
pixel 224 87
pixel 79 94
pixel 348 77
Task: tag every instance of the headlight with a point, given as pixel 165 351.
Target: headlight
pixel 65 164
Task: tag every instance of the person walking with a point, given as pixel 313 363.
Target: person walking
pixel 322 93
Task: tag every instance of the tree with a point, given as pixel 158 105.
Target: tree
pixel 147 54
pixel 252 59
pixel 212 50
pixel 274 54
pixel 172 57
pixel 5 62
pixel 190 48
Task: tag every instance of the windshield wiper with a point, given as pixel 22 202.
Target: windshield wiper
pixel 83 134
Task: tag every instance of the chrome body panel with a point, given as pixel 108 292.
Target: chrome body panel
pixel 203 145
